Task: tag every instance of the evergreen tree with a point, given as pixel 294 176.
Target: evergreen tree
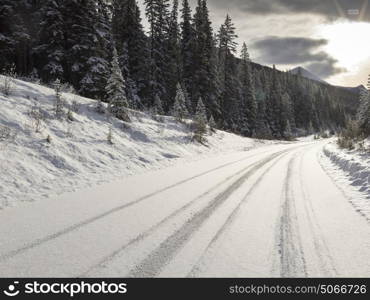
pixel 132 48
pixel 186 48
pixel 212 124
pixel 200 124
pixel 173 74
pixel 363 114
pixel 96 65
pixel 115 90
pixel 203 72
pixel 14 36
pixel 179 110
pixel 50 50
pixel 157 15
pixel 230 102
pixel 249 105
pixel 158 106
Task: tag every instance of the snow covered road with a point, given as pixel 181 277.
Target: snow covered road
pixel 272 211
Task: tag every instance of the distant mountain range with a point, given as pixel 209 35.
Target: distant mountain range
pixel 307 74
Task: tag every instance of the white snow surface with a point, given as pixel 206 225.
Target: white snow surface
pixel 233 210
pixel 351 170
pixel 79 154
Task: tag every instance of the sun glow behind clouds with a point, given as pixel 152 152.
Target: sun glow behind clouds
pixel 348 42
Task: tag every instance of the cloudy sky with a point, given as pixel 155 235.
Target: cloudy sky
pixel 330 38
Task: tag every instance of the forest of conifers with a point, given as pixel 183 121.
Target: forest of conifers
pixel 77 42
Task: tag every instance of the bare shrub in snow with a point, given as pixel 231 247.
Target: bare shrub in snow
pixel 6 136
pixel 67 88
pixel 37 117
pixel 100 109
pixel 5 133
pixel 75 106
pixel 49 139
pixel 110 136
pixel 69 132
pixel 70 116
pixel 7 82
pixel 350 136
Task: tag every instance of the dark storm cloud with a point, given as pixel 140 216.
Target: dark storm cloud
pixel 289 50
pixel 297 50
pixel 331 9
pixel 325 69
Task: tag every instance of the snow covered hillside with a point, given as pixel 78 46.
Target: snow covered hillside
pixel 351 170
pixel 79 153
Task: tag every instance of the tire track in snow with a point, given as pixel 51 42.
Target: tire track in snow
pixel 157 226
pixel 230 220
pixel 327 263
pixel 157 259
pixel 290 249
pixel 51 237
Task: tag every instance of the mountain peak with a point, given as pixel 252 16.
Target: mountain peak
pixel 307 74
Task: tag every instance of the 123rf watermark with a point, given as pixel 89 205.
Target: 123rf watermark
pixel 70 289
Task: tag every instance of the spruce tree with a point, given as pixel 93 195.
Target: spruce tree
pixel 173 74
pixel 186 48
pixel 230 99
pixel 50 50
pixel 200 124
pixel 115 90
pixel 132 47
pixel 363 114
pixel 158 106
pixel 157 15
pixel 179 110
pixel 249 105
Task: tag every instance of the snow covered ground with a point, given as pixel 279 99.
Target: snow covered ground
pixel 79 154
pixel 239 208
pixel 261 213
pixel 351 170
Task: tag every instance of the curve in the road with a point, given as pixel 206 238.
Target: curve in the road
pixel 157 259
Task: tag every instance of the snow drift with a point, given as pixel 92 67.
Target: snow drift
pixel 351 168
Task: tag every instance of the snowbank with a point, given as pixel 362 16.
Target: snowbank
pixel 79 154
pixel 351 168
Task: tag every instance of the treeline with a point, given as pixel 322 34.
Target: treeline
pixel 357 129
pixel 81 42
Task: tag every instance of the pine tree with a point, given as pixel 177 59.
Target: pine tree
pixel 99 42
pixel 204 75
pixel 50 50
pixel 173 74
pixel 157 15
pixel 249 104
pixel 212 124
pixel 115 90
pixel 200 124
pixel 132 49
pixel 187 47
pixel 14 36
pixel 179 110
pixel 230 100
pixel 286 117
pixel 363 114
pixel 158 106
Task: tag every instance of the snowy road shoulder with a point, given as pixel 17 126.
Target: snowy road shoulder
pixel 351 172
